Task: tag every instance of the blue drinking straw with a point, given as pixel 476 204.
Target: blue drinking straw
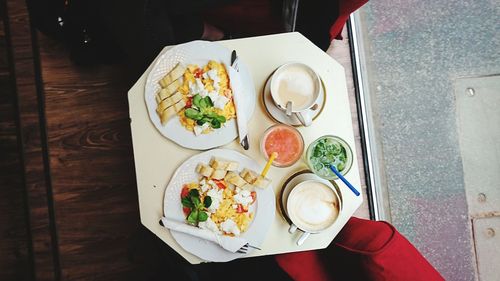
pixel 352 188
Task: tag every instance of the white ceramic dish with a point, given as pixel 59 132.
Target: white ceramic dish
pixel 172 208
pixel 196 52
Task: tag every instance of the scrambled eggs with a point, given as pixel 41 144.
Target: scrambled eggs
pixel 210 80
pixel 230 212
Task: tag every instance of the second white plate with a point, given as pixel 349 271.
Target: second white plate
pixel 209 251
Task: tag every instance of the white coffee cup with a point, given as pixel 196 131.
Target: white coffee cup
pixel 297 83
pixel 313 206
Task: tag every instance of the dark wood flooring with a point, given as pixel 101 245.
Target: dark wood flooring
pixel 14 240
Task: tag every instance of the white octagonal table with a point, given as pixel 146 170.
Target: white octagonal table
pixel 156 157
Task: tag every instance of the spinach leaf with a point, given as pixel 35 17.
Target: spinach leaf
pixel 186 202
pixel 215 123
pixel 193 114
pixel 209 102
pixel 193 217
pixel 202 216
pixel 204 104
pixel 194 192
pixel 220 118
pixel 207 201
pixel 196 201
pixel 211 114
pixel 196 100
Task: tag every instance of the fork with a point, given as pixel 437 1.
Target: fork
pixel 244 248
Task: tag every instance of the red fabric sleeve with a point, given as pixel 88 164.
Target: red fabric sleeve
pixel 363 250
pixel 346 7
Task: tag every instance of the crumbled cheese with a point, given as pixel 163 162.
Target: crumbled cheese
pixel 221 102
pixel 212 74
pixel 203 93
pixel 216 196
pixel 198 130
pixel 212 183
pixel 197 87
pixel 214 206
pixel 204 187
pixel 243 197
pixel 229 226
pixel 214 96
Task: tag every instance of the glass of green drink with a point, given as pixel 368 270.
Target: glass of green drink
pixel 328 150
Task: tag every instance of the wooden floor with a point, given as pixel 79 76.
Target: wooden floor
pixel 14 239
pixel 69 200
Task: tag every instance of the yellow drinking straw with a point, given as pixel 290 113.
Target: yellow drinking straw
pixel 268 164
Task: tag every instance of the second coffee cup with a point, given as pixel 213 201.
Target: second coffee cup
pixel 313 205
pixel 299 84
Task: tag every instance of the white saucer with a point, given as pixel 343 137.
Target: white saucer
pixel 293 181
pixel 280 116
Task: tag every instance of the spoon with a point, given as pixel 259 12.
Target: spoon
pixel 352 188
pixel 289 108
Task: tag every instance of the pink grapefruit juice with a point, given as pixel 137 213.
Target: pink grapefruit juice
pixel 286 141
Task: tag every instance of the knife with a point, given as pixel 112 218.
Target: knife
pixel 241 119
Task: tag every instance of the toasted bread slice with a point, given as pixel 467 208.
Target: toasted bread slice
pixel 171 111
pixel 249 176
pixel 218 174
pixel 175 98
pixel 204 170
pixel 173 75
pixel 234 178
pixel 262 182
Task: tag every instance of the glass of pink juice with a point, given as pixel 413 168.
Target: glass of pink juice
pixel 284 140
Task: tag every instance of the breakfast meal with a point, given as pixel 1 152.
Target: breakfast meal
pixel 286 141
pixel 222 200
pixel 326 151
pixel 200 96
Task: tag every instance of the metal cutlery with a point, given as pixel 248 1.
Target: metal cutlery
pixel 240 118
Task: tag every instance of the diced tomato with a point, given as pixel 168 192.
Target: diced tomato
pixel 189 103
pixel 254 196
pixel 186 211
pixel 241 209
pixel 198 73
pixel 185 191
pixel 220 184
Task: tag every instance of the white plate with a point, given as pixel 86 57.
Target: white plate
pixel 172 207
pixel 196 52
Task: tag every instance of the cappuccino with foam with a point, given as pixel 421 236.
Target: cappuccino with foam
pixel 313 206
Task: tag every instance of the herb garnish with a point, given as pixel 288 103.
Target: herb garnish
pixel 197 208
pixel 202 111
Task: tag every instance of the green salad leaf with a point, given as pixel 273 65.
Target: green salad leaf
pixel 207 201
pixel 203 111
pixel 197 208
pixel 202 216
pixel 193 217
pixel 193 114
